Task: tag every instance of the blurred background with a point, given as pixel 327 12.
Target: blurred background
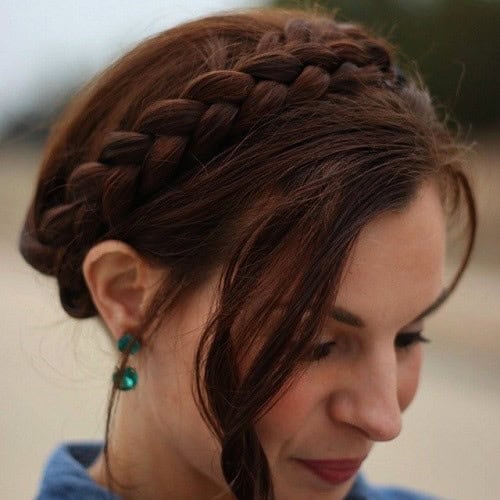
pixel 55 370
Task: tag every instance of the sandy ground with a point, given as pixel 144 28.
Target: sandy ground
pixel 55 370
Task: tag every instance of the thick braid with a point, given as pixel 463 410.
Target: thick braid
pixel 173 136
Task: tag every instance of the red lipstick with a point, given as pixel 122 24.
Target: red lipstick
pixel 334 471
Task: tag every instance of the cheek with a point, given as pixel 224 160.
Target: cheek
pixel 285 420
pixel 409 376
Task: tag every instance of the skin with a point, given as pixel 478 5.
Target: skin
pixel 337 408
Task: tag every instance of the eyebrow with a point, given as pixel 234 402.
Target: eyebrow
pixel 344 316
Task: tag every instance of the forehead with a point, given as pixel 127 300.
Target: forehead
pixel 396 267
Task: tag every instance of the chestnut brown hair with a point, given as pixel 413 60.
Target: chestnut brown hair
pixel 259 141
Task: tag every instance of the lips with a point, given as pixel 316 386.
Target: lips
pixel 333 471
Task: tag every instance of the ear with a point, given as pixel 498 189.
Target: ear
pixel 121 283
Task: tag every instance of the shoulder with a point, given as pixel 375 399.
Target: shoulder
pixel 362 490
pixel 65 476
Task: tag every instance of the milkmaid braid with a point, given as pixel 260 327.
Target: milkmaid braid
pixel 172 137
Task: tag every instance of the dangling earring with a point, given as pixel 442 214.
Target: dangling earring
pixel 127 379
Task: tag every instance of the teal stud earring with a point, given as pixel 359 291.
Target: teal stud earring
pixel 129 342
pixel 126 379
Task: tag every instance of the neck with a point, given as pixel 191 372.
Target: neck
pixel 144 465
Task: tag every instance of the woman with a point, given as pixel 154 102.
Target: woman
pixel 255 204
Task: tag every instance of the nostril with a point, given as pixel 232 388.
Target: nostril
pixel 384 425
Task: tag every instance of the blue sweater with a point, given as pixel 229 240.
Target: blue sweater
pixel 65 478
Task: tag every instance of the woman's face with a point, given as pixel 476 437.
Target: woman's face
pixel 344 402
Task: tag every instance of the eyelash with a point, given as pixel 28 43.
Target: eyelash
pixel 406 340
pixel 403 341
pixel 322 351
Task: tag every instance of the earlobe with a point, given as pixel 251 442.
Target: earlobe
pixel 120 282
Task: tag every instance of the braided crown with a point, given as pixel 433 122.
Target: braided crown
pixel 172 136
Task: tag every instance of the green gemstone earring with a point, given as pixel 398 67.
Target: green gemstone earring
pixel 126 379
pixel 129 342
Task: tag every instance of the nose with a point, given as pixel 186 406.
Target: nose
pixel 368 398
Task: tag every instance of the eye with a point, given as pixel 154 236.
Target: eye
pixel 408 339
pixel 403 341
pixel 322 350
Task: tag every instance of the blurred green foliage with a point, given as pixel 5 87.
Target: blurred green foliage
pixel 454 44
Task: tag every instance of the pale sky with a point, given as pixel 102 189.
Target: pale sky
pixel 43 41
